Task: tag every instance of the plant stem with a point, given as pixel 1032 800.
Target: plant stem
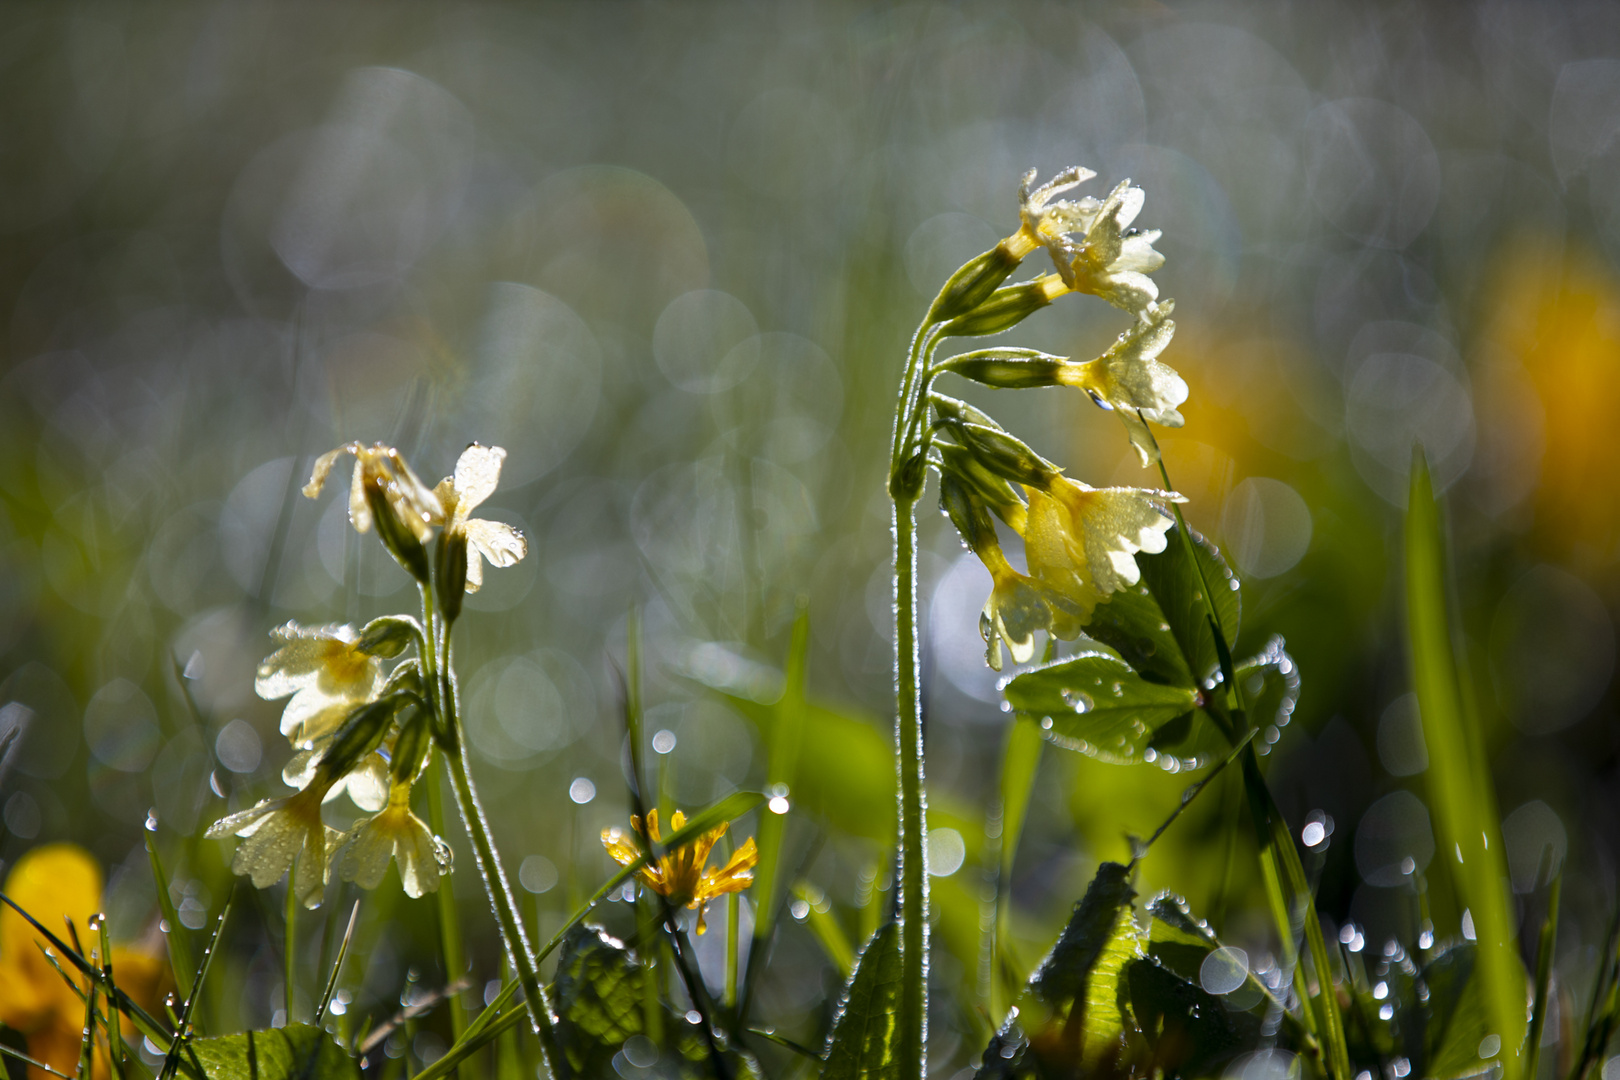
pixel 908 736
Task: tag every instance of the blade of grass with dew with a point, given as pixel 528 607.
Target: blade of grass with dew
pixel 181 964
pixel 32 1063
pixel 1603 1002
pixel 143 1020
pixel 1020 761
pixel 1458 777
pixel 289 948
pixel 115 1038
pixel 822 923
pixel 785 735
pixel 1544 962
pixel 337 966
pixel 171 1061
pixel 491 1022
pixel 87 1037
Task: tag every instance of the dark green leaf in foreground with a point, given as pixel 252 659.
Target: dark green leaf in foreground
pixel 1456 1017
pixel 1096 704
pixel 1070 1021
pixel 294 1052
pixel 1160 626
pixel 864 1035
pixel 1190 1031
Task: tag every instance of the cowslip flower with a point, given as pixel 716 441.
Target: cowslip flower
pixel 54 882
pixel 1018 606
pixel 478 472
pixel 412 502
pixel 398 834
pixel 1043 221
pixel 324 672
pixel 1082 541
pixel 1131 380
pixel 278 831
pixel 683 876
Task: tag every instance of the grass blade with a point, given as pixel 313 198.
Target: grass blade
pixel 826 928
pixel 337 966
pixel 32 1063
pixel 174 932
pixel 115 1038
pixel 1458 777
pixel 444 905
pixel 188 1010
pixel 1020 761
pixel 784 760
pixel 1544 961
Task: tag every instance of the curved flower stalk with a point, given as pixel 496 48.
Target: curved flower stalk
pixel 1081 540
pixel 683 876
pixel 363 728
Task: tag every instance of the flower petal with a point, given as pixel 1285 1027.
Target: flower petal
pixel 478 472
pixel 323 468
pixel 496 541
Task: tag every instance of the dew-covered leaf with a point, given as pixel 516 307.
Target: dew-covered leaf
pixel 294 1052
pixel 1189 1031
pixel 1096 704
pixel 866 1032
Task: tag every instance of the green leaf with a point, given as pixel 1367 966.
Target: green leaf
pixel 1161 627
pixel 1019 763
pixel 1096 704
pixel 599 993
pixel 1189 1031
pixel 865 1033
pixel 294 1052
pixel 1180 942
pixel 1458 776
pixel 1270 684
pixel 1070 1018
pixel 1456 1018
pixel 783 735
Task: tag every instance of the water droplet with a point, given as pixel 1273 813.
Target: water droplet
pixel 1164 627
pixel 151 820
pixel 1078 700
pixel 1046 723
pixel 1006 706
pixel 1119 689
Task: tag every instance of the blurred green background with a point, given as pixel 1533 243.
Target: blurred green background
pixel 669 257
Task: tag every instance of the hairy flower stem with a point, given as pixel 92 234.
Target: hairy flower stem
pixel 442 693
pixel 908 733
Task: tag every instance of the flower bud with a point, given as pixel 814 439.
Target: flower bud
pixel 966 513
pixel 451 580
pixel 1006 308
pixel 411 749
pixel 959 463
pixel 1006 456
pixel 952 411
pixel 1009 369
pixel 396 536
pixel 971 285
pixel 907 482
pixel 360 734
pixel 388 636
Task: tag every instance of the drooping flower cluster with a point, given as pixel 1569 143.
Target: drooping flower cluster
pixel 683 876
pixel 355 725
pixel 1080 542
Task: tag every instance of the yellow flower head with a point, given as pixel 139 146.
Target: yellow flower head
pixel 276 832
pixel 325 674
pixel 1018 606
pixel 1130 379
pixel 53 882
pixel 1112 260
pixel 395 833
pixel 1082 541
pixel 1043 221
pixel 411 501
pixel 478 471
pixel 682 875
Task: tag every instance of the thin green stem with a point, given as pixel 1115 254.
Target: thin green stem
pixel 908 735
pixel 289 946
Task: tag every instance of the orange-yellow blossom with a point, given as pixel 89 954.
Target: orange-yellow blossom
pixel 682 876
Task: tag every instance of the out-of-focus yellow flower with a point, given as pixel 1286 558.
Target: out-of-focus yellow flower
pixel 478 471
pixel 395 833
pixel 276 832
pixel 411 501
pixel 683 876
pixel 1082 541
pixel 1130 379
pixel 324 672
pixel 51 883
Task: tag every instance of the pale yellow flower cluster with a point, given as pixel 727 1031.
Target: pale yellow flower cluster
pixel 1080 542
pixel 355 726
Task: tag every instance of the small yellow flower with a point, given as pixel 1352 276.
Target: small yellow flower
pixel 276 832
pixel 1082 541
pixel 412 502
pixel 1044 222
pixel 1018 606
pixel 51 883
pixel 395 833
pixel 683 876
pixel 1130 379
pixel 325 674
pixel 478 471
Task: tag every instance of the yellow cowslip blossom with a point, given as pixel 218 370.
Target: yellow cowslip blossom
pixel 1043 222
pixel 1018 606
pixel 1111 260
pixel 478 471
pixel 1130 379
pixel 394 833
pixel 682 876
pixel 411 501
pixel 277 831
pixel 52 883
pixel 1082 541
pixel 324 672
pixel 366 783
